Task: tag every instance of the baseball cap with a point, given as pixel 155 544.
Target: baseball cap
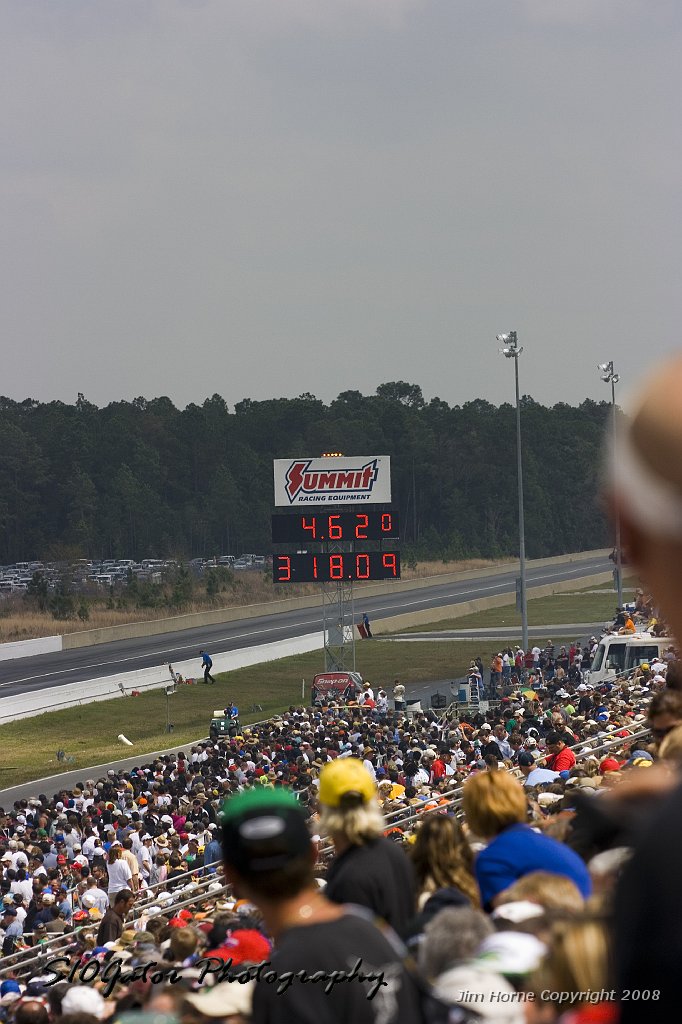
pixel 526 760
pixel 345 780
pixel 264 830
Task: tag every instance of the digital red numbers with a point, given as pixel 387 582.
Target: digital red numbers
pixel 283 569
pixel 335 529
pixel 320 527
pixel 336 567
pixel 388 560
pixel 304 567
pixel 326 546
pixel 309 525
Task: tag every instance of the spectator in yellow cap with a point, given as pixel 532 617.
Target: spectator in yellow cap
pixel 368 869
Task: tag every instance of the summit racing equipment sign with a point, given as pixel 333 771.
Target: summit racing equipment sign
pixel 333 480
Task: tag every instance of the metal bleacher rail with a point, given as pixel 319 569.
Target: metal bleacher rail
pixel 29 961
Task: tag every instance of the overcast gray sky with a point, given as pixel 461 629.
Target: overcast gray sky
pixel 266 197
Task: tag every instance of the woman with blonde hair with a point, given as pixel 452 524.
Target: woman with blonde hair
pixel 550 891
pixel 577 965
pixel 496 810
pixel 442 859
pixel 367 869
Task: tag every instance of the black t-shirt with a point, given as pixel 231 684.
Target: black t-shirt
pixel 646 927
pixel 491 748
pixel 377 875
pixel 351 944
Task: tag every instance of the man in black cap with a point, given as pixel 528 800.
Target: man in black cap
pixel 358 972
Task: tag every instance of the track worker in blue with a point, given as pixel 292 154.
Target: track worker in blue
pixel 207 665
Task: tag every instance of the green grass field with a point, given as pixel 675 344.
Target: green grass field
pixel 88 734
pixel 544 611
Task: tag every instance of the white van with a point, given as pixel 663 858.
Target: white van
pixel 616 654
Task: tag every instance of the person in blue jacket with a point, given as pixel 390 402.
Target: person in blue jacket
pixel 207 663
pixel 496 809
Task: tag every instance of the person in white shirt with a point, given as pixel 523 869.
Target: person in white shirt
pixel 144 857
pixel 23 886
pixel 120 875
pixel 95 897
pixel 20 909
pixel 368 765
pixel 89 844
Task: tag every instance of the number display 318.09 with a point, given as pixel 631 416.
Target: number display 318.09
pixel 325 568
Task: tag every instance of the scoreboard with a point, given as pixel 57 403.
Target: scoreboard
pixel 327 567
pixel 307 527
pixel 325 546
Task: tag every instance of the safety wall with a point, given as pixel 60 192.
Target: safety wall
pixel 29 648
pixel 72 695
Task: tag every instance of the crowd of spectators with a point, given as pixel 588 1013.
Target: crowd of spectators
pixel 489 841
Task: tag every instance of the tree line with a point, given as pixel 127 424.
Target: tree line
pixel 146 479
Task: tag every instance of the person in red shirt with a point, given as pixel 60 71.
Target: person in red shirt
pixel 437 770
pixel 560 758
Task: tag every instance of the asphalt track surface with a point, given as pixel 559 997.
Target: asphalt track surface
pixel 46 671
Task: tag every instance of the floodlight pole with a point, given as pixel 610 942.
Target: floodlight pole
pixel 512 351
pixel 609 376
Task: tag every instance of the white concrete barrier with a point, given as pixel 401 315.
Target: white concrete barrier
pixel 29 648
pixel 70 695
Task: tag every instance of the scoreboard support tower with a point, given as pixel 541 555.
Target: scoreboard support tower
pixel 338 623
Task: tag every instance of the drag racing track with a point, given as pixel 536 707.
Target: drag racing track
pixel 46 671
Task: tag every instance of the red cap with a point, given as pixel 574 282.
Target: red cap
pixel 609 764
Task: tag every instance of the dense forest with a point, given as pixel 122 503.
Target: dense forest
pixel 145 479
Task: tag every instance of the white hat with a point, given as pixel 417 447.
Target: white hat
pixel 83 999
pixel 224 1000
pixel 510 953
pixel 517 911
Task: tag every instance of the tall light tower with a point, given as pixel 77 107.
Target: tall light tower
pixel 609 376
pixel 511 350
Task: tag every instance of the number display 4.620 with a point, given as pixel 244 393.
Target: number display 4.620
pixel 312 527
pixel 323 568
